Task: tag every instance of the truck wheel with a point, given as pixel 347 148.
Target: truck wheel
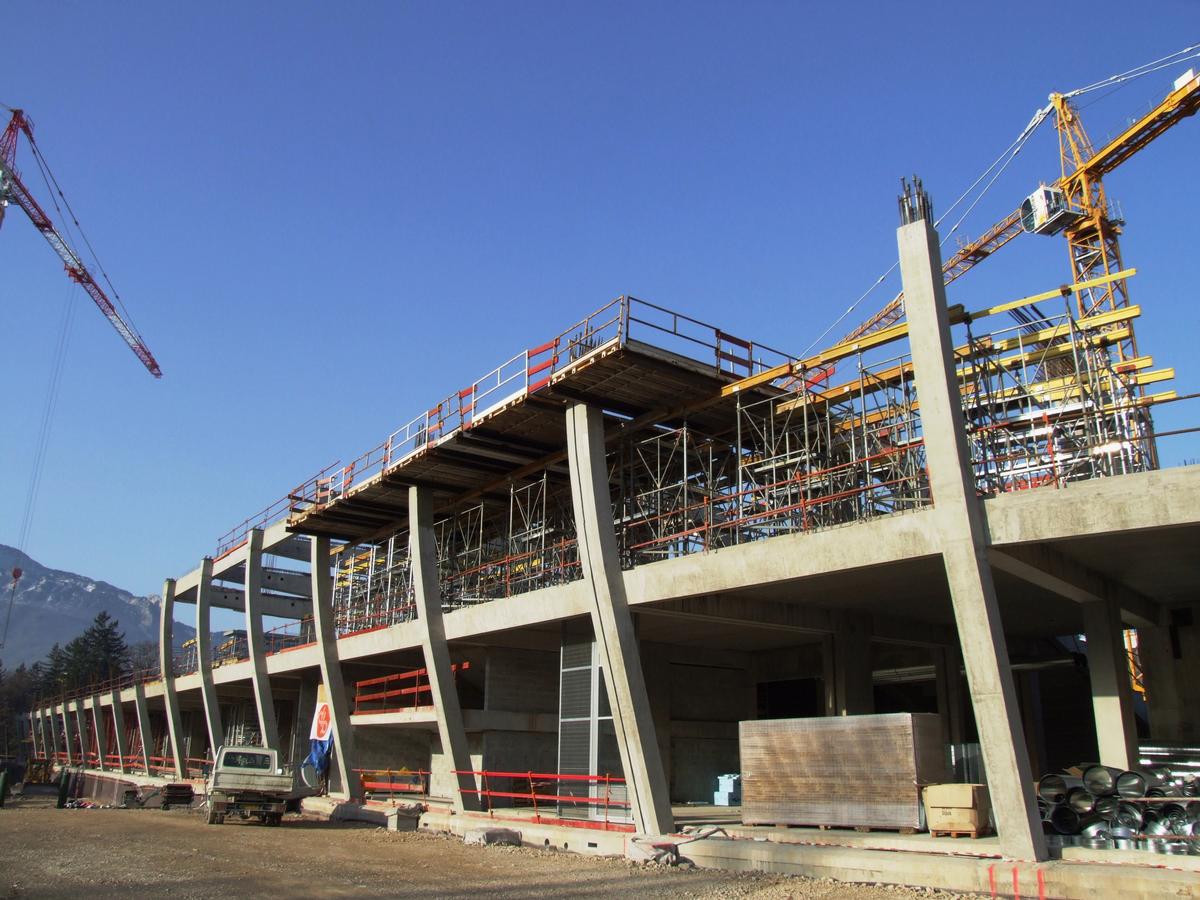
pixel 221 819
pixel 277 819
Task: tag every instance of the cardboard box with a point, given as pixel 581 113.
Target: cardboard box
pixel 953 818
pixel 957 807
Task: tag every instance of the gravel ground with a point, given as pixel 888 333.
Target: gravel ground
pixel 102 853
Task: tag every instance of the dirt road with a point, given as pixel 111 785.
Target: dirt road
pixel 102 853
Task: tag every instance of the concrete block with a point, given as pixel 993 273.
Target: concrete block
pixel 503 836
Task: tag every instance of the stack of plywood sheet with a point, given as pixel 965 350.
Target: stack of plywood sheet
pixel 864 771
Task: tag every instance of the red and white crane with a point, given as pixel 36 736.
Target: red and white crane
pixel 13 190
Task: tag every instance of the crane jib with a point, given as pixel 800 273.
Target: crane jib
pixel 11 187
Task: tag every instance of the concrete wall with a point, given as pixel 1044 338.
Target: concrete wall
pixel 521 680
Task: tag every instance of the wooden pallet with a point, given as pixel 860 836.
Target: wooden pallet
pixel 971 833
pixel 862 829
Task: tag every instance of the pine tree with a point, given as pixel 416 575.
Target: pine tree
pixel 109 655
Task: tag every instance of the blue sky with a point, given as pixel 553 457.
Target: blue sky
pixel 324 216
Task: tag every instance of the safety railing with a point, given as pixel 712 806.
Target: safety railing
pixel 290 636
pixel 102 688
pixel 231 650
pixel 185 661
pixel 511 574
pixel 395 783
pixel 583 801
pixel 398 692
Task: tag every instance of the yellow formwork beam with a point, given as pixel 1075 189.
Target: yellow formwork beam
pixel 886 335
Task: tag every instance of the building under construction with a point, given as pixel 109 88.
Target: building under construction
pixel 550 599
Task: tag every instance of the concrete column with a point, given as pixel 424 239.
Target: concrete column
pixel 69 735
pixel 81 727
pixel 612 623
pixel 44 733
pixel 1170 658
pixel 166 664
pixel 959 520
pixel 331 668
pixel 118 715
pixel 1112 694
pixel 427 590
pixel 853 679
pixel 142 712
pixel 101 728
pixel 264 700
pixel 52 718
pixel 208 691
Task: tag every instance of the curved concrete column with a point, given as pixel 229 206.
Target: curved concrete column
pixel 963 539
pixel 256 642
pixel 208 691
pixel 118 717
pixel 52 718
pixel 69 735
pixel 82 729
pixel 44 733
pixel 142 712
pixel 166 663
pixel 101 730
pixel 331 668
pixel 427 591
pixel 612 623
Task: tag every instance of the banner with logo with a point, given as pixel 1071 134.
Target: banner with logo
pixel 321 734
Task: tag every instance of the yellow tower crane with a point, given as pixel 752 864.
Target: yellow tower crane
pixel 1074 205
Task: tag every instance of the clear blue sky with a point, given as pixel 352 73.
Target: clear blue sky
pixel 324 216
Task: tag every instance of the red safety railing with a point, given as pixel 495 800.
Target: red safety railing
pixel 546 792
pixel 413 685
pixel 374 621
pixel 755 508
pixel 507 576
pixel 406 782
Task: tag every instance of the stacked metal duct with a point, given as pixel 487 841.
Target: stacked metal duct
pixel 1098 806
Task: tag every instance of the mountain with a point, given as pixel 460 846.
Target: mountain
pixel 51 606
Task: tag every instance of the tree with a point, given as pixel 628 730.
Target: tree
pixel 109 655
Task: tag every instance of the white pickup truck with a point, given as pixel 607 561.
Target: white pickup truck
pixel 248 782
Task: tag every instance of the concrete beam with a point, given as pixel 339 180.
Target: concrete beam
pixel 1052 571
pixel 208 691
pixel 276 605
pixel 331 668
pixel 612 624
pixel 960 530
pixel 166 662
pixel 264 701
pixel 1142 501
pixel 279 581
pixel 427 592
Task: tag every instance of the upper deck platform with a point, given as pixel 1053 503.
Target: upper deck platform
pixel 644 364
